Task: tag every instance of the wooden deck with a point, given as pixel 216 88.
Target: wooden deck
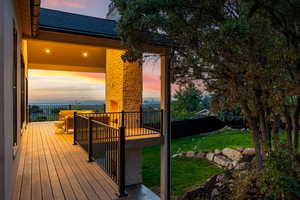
pixel 51 167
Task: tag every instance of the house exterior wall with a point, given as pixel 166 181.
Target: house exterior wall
pixel 8 162
pixel 124 83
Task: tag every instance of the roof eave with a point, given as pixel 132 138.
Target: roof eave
pixel 72 31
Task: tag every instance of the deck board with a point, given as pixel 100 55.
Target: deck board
pixel 51 167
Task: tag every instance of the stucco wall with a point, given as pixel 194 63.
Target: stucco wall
pixel 124 83
pixel 7 163
pixel 2 183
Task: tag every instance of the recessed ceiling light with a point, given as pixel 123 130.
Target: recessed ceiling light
pixel 47 51
pixel 85 54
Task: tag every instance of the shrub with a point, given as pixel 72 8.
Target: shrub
pixel 278 180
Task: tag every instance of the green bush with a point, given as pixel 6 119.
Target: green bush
pixel 278 180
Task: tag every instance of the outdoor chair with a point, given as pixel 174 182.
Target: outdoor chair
pixel 68 117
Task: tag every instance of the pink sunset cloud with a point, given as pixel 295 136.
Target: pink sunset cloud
pixel 95 8
pixel 65 3
pixel 151 82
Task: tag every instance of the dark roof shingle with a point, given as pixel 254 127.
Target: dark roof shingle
pixel 75 23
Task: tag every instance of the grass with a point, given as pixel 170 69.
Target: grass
pixel 188 173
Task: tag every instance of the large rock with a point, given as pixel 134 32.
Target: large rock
pixel 210 156
pixel 200 155
pixel 241 166
pixel 217 187
pixel 222 161
pixel 178 155
pixel 232 154
pixel 218 151
pixel 190 154
pixel 240 149
pixel 249 152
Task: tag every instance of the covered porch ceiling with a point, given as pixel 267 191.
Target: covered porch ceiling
pixel 50 55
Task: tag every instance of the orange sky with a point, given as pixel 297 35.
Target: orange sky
pixel 45 85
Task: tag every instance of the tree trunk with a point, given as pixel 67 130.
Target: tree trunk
pixel 257 143
pixel 253 123
pixel 265 132
pixel 275 131
pixel 288 126
pixel 295 125
pixel 263 127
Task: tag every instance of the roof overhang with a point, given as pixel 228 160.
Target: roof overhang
pixel 57 26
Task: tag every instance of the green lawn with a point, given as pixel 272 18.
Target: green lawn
pixel 188 173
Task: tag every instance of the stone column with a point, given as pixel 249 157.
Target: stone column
pixel 124 83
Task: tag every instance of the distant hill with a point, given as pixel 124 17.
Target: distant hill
pixel 69 102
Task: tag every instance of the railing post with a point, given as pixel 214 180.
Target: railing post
pixel 123 118
pixel 70 107
pixel 122 190
pixel 75 128
pixel 90 139
pixel 141 117
pixel 29 116
pixel 161 121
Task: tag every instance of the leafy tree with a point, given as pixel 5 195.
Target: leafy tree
pixel 232 117
pixel 206 102
pixel 245 51
pixel 187 102
pixel 285 18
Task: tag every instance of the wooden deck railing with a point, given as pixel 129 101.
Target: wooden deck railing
pixel 103 136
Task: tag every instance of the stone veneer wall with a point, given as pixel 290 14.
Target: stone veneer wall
pixel 124 83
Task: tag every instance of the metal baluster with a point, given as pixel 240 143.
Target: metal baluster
pixel 75 128
pixel 90 139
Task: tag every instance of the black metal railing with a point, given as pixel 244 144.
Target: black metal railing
pixel 103 136
pixel 81 126
pixel 49 112
pixel 108 150
pixel 152 120
pixel 136 123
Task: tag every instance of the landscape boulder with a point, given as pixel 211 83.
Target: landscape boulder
pixel 177 155
pixel 249 152
pixel 200 155
pixel 222 161
pixel 218 151
pixel 232 154
pixel 240 149
pixel 210 156
pixel 190 154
